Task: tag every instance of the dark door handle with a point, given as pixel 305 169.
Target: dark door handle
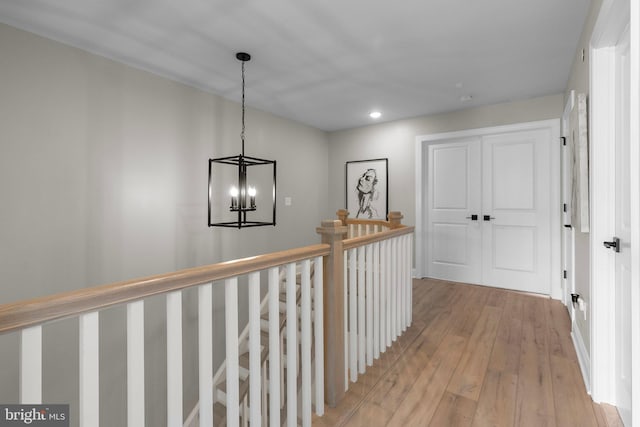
pixel 473 217
pixel 614 244
pixel 488 217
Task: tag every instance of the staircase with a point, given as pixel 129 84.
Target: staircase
pixel 219 379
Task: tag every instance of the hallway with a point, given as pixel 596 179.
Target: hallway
pixel 475 356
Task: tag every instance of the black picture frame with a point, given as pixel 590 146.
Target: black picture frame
pixel 367 188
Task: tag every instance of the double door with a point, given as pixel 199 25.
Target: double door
pixel 488 208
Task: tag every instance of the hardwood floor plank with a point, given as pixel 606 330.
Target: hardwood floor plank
pixel 469 375
pixel 505 356
pixel 571 410
pixel 419 405
pixel 559 323
pixel 496 407
pixel 497 298
pixel 471 301
pixel 534 404
pixel 611 416
pixel 454 411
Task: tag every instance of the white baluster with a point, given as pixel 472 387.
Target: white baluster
pixel 346 320
pixel 318 326
pixel 402 269
pixel 410 263
pixel 31 365
pixel 376 300
pixel 398 286
pixel 361 312
pixel 274 348
pixel 174 359
pixel 353 316
pixel 292 329
pixel 89 370
pixel 265 389
pixel 135 364
pixel 254 349
pixel 205 354
pixel 231 339
pixel 383 296
pixel 407 275
pixel 369 301
pixel 388 292
pixel 305 338
pixel 394 289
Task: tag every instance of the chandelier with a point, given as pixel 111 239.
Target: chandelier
pixel 244 182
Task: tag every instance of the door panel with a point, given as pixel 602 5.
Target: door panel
pixel 453 196
pixel 513 175
pixel 452 248
pixel 450 177
pixel 516 240
pixel 505 238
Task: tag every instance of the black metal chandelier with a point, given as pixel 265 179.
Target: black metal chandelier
pixel 246 184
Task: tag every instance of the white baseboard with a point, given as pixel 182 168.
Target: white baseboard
pixel 583 357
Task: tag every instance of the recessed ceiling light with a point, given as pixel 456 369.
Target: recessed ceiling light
pixel 375 114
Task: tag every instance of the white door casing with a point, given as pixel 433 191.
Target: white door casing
pixel 568 284
pixel 512 156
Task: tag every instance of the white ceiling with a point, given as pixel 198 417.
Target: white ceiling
pixel 329 63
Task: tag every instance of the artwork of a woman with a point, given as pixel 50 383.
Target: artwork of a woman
pixel 367 193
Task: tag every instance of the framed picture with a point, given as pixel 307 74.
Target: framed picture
pixel 579 144
pixel 367 189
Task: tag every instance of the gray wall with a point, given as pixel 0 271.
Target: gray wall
pixel 396 141
pixel 579 81
pixel 103 177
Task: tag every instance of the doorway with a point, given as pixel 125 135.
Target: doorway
pixel 488 206
pixel 616 215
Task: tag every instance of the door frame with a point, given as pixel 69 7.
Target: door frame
pixel 567 239
pixel 613 18
pixel 421 150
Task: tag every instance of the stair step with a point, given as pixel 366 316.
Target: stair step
pixel 219 414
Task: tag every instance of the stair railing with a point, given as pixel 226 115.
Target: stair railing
pixel 368 294
pixel 362 302
pixel 28 317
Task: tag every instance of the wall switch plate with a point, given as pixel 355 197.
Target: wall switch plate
pixel 287 201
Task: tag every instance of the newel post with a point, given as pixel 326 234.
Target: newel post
pixel 333 232
pixel 342 215
pixel 395 219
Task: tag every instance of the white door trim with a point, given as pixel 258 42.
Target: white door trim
pixel 612 20
pixel 421 142
pixel 634 138
pixel 567 247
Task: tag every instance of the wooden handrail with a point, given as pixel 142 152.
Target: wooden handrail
pixel 359 221
pixel 376 237
pixel 23 314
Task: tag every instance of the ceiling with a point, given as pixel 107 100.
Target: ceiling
pixel 329 63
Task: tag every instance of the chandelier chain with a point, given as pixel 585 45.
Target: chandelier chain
pixel 242 132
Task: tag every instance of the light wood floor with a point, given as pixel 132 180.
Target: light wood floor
pixel 475 356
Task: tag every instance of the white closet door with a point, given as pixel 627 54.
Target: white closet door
pixel 516 211
pixel 454 196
